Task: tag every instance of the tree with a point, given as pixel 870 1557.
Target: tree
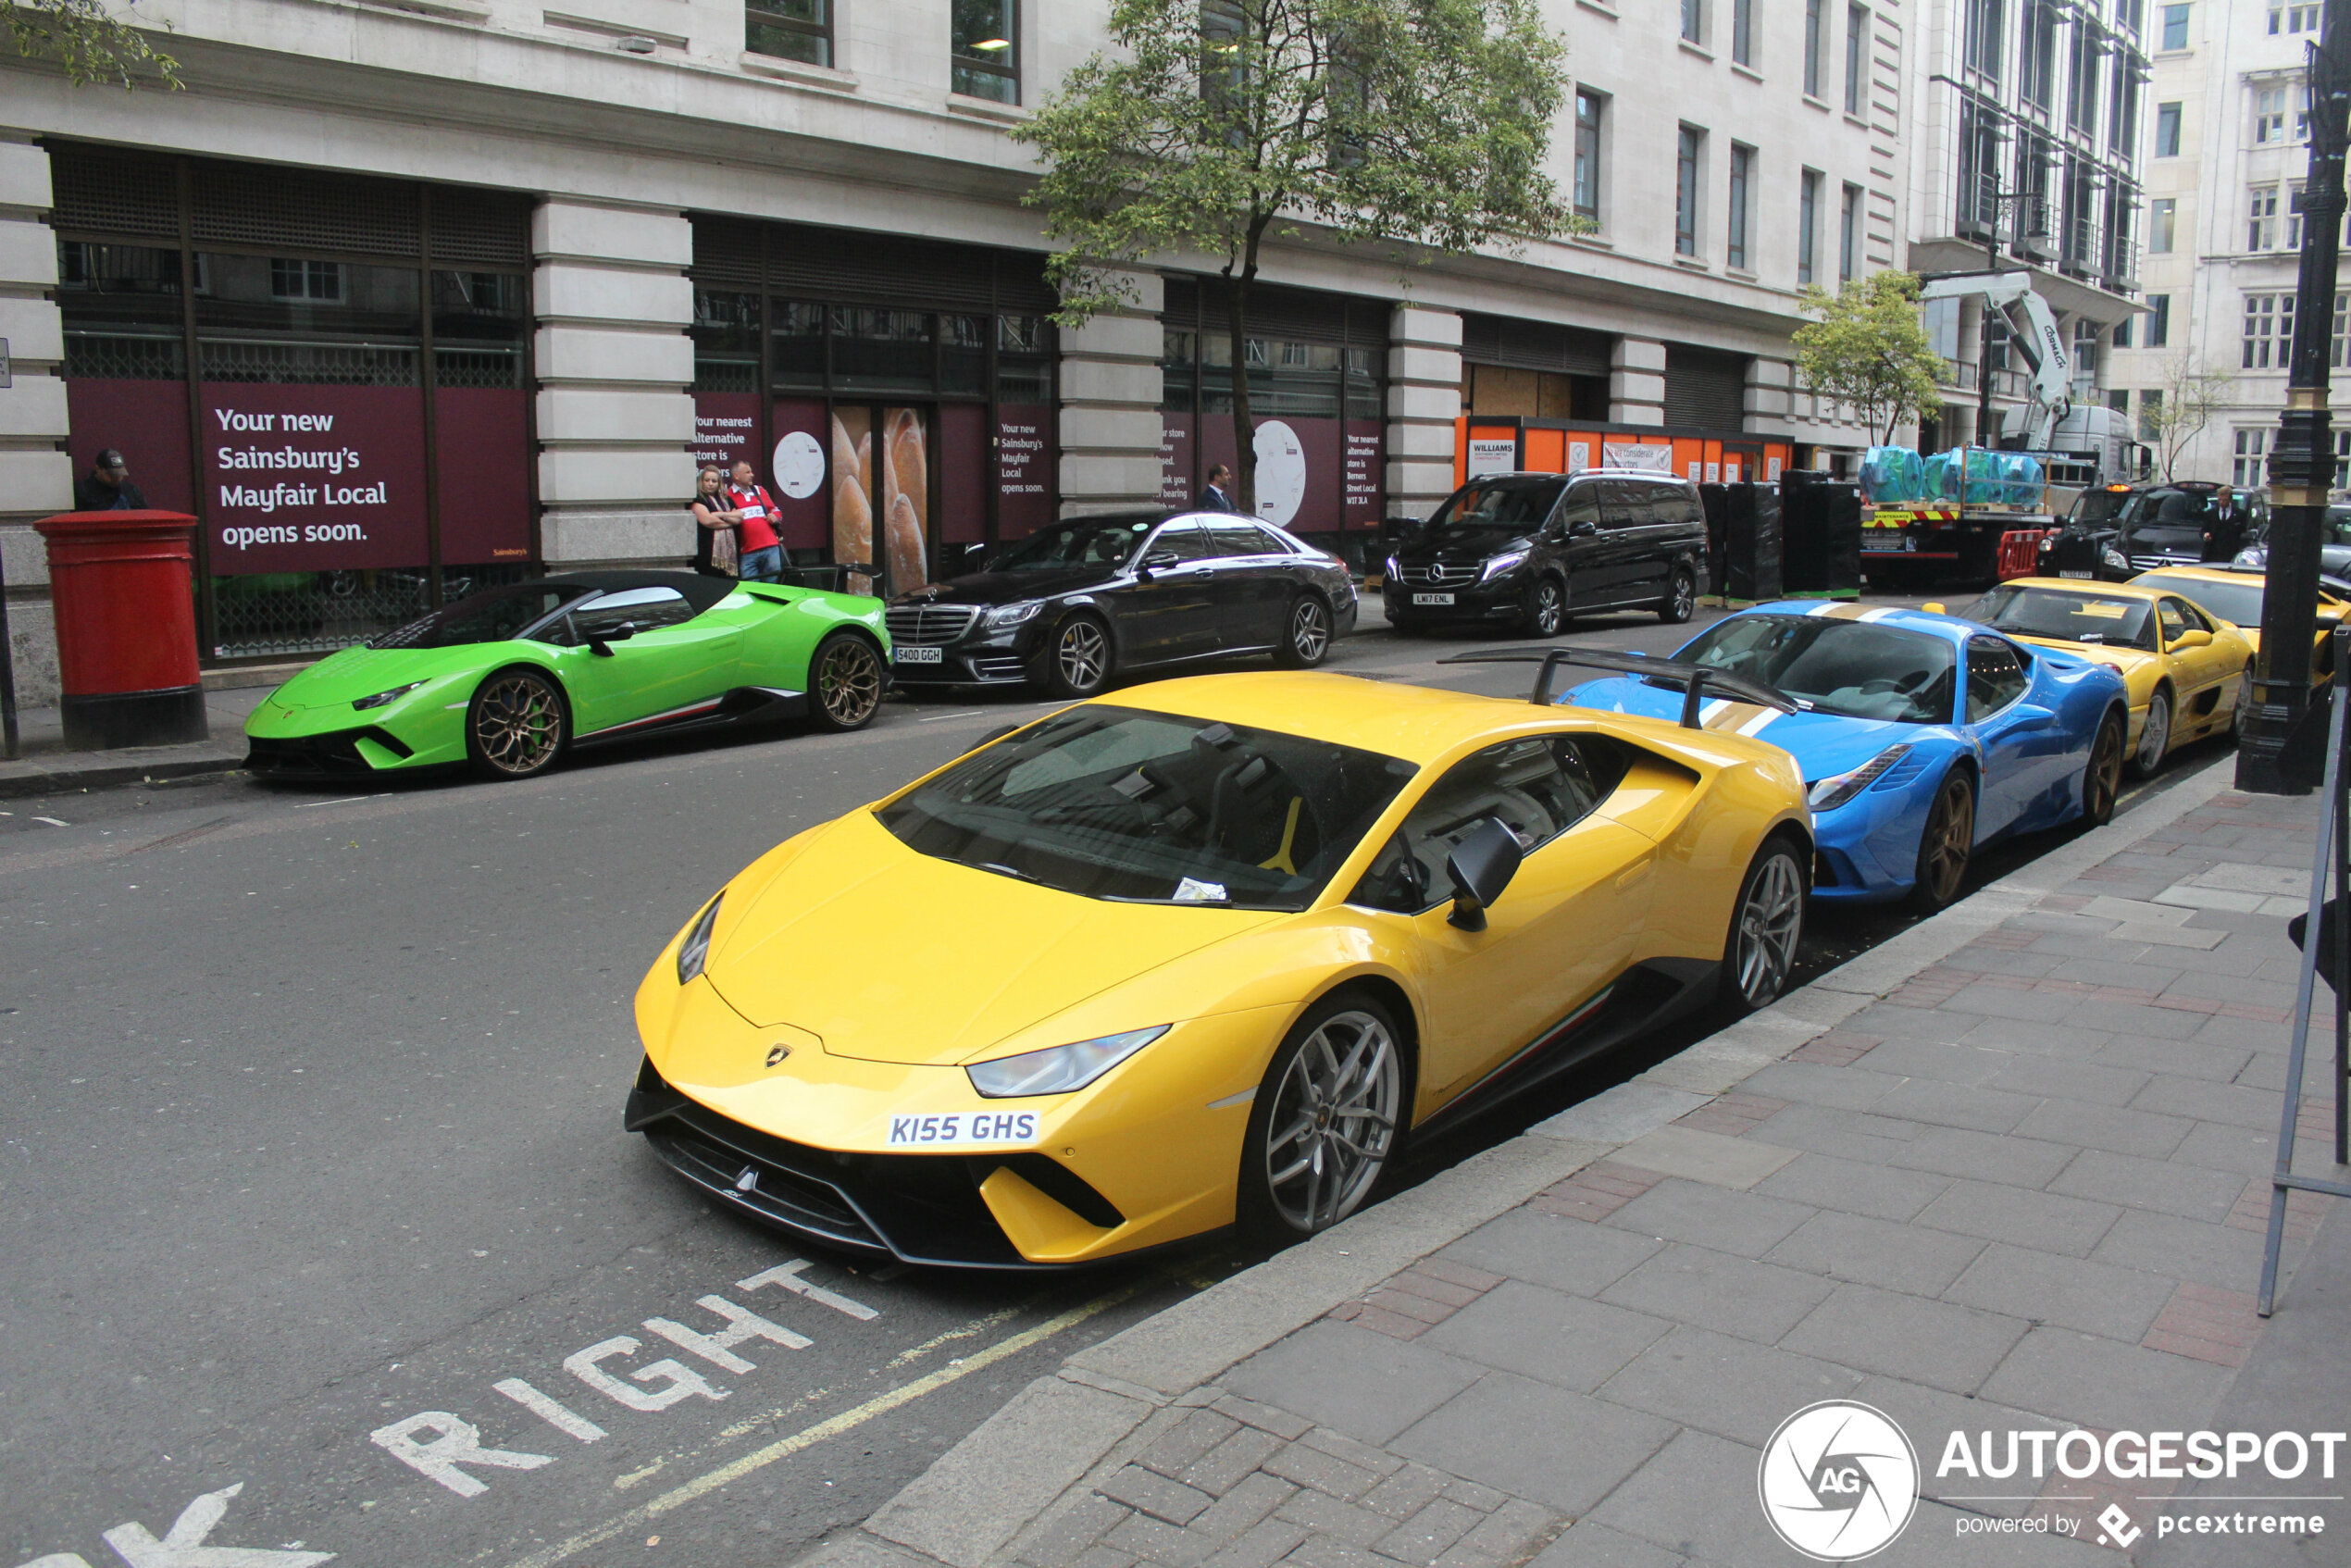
pixel 1212 125
pixel 2174 414
pixel 1869 349
pixel 88 41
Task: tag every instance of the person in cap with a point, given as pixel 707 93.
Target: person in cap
pixel 107 487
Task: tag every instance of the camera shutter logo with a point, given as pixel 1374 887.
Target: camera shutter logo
pixel 1838 1481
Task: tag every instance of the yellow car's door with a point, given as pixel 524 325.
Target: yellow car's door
pixel 1559 932
pixel 2204 665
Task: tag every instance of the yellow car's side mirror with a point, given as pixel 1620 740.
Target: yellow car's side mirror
pixel 2193 640
pixel 1932 608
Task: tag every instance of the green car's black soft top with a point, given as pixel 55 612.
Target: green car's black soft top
pixel 699 591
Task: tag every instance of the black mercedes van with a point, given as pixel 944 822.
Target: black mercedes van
pixel 1531 550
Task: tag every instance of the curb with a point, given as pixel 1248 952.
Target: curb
pixel 1014 1474
pixel 31 776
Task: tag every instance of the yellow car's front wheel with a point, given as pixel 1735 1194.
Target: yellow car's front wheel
pixel 1326 1119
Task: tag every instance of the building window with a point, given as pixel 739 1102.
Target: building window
pixel 2163 219
pixel 789 29
pixel 2261 226
pixel 2036 57
pixel 1979 182
pixel 2269 115
pixel 2302 114
pixel 1808 225
pixel 1857 43
pixel 2086 352
pixel 2081 112
pixel 2269 332
pixel 2293 19
pixel 2120 401
pixel 2158 320
pixel 315 281
pixel 2293 217
pixel 2122 125
pixel 1685 178
pixel 1849 236
pixel 1984 40
pixel 1743 31
pixel 1814 45
pixel 1589 107
pixel 2253 445
pixel 1694 22
pixel 2175 27
pixel 2151 414
pixel 1742 174
pixel 986 49
pixel 2167 130
pixel 2122 332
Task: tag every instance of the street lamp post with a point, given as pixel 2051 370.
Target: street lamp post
pixel 2302 463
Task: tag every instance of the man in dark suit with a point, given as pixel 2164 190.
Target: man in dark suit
pixel 1217 497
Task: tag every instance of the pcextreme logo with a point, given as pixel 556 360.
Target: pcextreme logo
pixel 1838 1481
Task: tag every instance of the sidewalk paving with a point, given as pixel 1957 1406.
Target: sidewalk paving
pixel 2007 1171
pixel 47 766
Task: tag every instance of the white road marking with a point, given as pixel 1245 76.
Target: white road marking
pixel 718 1348
pixel 848 1420
pixel 343 801
pixel 683 1382
pixel 559 1416
pixel 183 1545
pixel 788 1276
pixel 457 1441
pixel 53 822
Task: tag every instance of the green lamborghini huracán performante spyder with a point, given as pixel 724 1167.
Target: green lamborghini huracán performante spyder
pixel 511 679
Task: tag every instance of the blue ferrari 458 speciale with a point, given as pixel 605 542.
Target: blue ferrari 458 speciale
pixel 1922 737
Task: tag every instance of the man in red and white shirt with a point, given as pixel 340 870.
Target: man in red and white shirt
pixel 762 555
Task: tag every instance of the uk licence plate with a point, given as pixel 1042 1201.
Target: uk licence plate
pixel 910 656
pixel 963 1129
pixel 1432 599
pixel 2074 574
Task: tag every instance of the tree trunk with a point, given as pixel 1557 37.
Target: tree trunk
pixel 1236 326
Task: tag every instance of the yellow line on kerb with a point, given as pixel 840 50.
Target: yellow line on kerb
pixel 784 1448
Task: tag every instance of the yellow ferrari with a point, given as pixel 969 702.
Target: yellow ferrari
pixel 1206 953
pixel 2183 667
pixel 2235 595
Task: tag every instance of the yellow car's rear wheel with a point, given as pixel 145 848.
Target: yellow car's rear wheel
pixel 1326 1119
pixel 2155 736
pixel 1766 928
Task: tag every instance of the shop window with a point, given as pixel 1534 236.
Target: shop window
pixel 985 50
pixel 480 327
pixel 789 29
pixel 876 350
pixel 726 334
pixel 963 355
pixel 121 310
pixel 1025 360
pixel 367 333
pixel 799 343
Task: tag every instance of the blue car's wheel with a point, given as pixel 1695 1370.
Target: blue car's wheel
pixel 2102 780
pixel 1945 846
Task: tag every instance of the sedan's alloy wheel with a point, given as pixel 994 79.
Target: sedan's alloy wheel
pixel 1770 923
pixel 1332 1121
pixel 1309 631
pixel 517 724
pixel 848 682
pixel 1081 654
pixel 1548 609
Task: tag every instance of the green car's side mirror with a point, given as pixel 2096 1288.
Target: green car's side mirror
pixel 599 642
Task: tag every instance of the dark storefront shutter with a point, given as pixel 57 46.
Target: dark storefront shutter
pixel 726 254
pixel 1534 345
pixel 486 227
pixel 256 207
pixel 100 191
pixel 1274 312
pixel 1705 389
pixel 840 264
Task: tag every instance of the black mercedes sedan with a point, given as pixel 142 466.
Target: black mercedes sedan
pixel 1077 604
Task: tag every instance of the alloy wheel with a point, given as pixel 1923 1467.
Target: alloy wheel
pixel 1948 841
pixel 518 724
pixel 1309 631
pixel 2155 738
pixel 1332 1121
pixel 848 682
pixel 1081 654
pixel 1770 924
pixel 1548 606
pixel 1682 602
pixel 2104 780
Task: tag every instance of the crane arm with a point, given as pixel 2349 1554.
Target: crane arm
pixel 2033 332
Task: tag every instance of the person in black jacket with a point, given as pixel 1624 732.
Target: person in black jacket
pixel 107 487
pixel 1216 498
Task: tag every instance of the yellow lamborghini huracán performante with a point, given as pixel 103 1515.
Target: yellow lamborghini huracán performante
pixel 1206 953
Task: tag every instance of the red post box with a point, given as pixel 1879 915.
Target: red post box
pixel 123 587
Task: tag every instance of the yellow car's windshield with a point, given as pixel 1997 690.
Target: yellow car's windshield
pixel 2069 616
pixel 1121 804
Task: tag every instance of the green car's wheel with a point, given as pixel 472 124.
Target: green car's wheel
pixel 1326 1119
pixel 515 725
pixel 845 682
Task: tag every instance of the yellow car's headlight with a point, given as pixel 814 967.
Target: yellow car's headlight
pixel 1059 1070
pixel 696 947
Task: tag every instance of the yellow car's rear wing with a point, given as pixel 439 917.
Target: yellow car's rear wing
pixel 1693 680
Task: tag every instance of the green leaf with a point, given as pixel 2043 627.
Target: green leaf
pixel 88 42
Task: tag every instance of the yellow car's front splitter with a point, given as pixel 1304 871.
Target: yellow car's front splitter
pixel 910 1159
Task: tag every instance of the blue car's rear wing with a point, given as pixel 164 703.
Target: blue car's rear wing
pixel 1695 680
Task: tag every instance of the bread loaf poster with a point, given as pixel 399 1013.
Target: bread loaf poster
pixel 904 514
pixel 852 490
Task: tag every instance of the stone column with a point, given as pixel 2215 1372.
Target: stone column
pixel 613 304
pixel 1767 392
pixel 1637 382
pixel 1423 400
pixel 36 479
pixel 1110 393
